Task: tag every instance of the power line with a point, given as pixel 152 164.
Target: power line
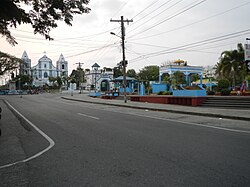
pixel 171 17
pixel 199 21
pixel 88 36
pixel 145 9
pixel 121 7
pixel 155 15
pixel 195 44
pixel 90 51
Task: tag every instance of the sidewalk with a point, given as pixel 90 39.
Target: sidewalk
pixel 236 114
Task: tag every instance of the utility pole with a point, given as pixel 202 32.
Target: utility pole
pixel 124 62
pixel 80 75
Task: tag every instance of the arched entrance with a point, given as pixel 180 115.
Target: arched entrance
pixel 105 86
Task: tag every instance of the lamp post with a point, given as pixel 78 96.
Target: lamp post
pixel 123 62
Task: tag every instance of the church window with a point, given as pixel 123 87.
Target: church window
pixel 40 66
pixel 63 66
pixel 40 74
pixel 45 66
pixel 45 75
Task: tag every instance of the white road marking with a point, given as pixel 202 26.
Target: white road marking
pixel 184 122
pixel 88 116
pixel 51 142
pixel 196 124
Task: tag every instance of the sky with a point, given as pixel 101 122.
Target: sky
pixel 196 31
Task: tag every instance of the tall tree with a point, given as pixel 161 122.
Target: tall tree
pixel 77 76
pixel 21 80
pixel 8 63
pixel 43 15
pixel 117 72
pixel 231 65
pixel 59 82
pixel 149 73
pixel 131 73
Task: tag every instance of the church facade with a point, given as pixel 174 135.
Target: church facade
pixel 43 69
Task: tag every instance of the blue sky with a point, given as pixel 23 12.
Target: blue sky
pixel 161 31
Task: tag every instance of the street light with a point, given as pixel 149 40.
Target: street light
pixel 112 33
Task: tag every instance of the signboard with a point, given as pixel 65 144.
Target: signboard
pixel 247 52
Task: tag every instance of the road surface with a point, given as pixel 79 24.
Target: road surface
pixel 98 145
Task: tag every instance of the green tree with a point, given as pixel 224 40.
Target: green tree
pixel 107 69
pixel 22 80
pixel 117 72
pixel 179 78
pixel 43 15
pixel 77 76
pixel 231 65
pixel 52 80
pixel 131 73
pixel 59 81
pixel 149 73
pixel 195 77
pixel 8 63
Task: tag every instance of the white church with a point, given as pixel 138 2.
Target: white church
pixel 44 69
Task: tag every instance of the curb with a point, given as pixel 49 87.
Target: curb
pixel 164 110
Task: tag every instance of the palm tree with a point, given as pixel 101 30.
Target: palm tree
pixel 231 65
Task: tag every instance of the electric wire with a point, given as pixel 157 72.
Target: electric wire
pixel 196 44
pixel 121 7
pixel 191 6
pixel 90 51
pixel 154 2
pixel 151 18
pixel 199 21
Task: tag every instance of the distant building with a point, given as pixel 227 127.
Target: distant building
pixel 44 69
pixel 208 72
pixel 25 68
pixel 101 80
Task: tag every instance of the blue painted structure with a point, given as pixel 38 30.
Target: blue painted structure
pixel 156 88
pixel 142 89
pixel 95 94
pixel 130 84
pixel 190 93
pixel 188 71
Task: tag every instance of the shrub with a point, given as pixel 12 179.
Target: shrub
pixel 225 92
pixel 160 93
pixel 210 93
pixel 167 93
pixel 223 84
pixel 164 93
pixel 215 88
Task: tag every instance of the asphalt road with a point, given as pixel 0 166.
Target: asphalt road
pixel 97 145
